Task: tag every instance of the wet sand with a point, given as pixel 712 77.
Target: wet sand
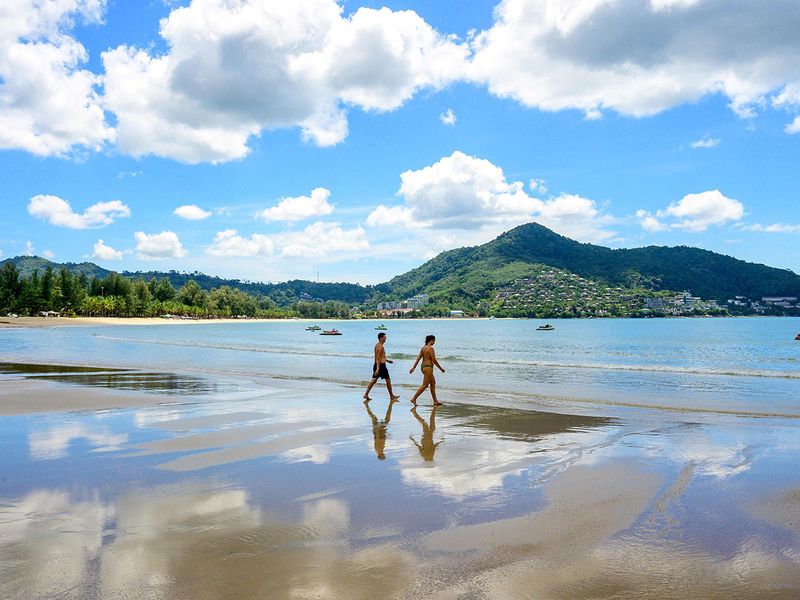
pixel 133 484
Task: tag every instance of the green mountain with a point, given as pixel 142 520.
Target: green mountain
pixel 466 276
pixel 26 265
pixel 471 274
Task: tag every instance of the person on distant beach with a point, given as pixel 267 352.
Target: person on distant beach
pixel 379 369
pixel 379 429
pixel 426 446
pixel 428 358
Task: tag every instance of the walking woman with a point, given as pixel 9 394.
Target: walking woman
pixel 428 358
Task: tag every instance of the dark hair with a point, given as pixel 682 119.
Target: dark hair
pixel 430 338
pixel 381 335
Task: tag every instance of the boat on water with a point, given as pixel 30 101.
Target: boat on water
pixel 547 327
pixel 313 328
pixel 331 332
pixel 381 327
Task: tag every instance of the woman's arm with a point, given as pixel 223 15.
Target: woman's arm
pixel 416 362
pixel 436 362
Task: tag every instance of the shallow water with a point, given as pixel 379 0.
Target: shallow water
pixel 745 366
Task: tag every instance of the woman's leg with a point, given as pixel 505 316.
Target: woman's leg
pixel 426 379
pixel 433 391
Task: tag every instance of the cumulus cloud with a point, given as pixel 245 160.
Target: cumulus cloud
pixel 234 69
pixel 448 117
pixel 49 254
pixel 158 246
pixel 637 58
pixel 694 212
pixel 48 104
pixel 191 212
pixel 700 211
pixel 29 249
pixel 103 252
pixel 230 243
pixel 462 192
pixel 706 142
pixel 649 222
pixel 321 239
pixel 58 212
pixel 300 207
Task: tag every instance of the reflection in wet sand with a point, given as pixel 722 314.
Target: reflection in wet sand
pixel 426 445
pixel 379 432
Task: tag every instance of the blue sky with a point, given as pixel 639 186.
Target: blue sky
pixel 359 139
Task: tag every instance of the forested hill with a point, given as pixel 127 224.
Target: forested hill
pixel 471 272
pixel 283 293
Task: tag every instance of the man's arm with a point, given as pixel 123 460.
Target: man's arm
pixel 377 361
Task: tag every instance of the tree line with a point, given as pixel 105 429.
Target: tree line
pixel 114 295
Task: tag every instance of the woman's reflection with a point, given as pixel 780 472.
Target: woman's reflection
pixel 379 429
pixel 426 446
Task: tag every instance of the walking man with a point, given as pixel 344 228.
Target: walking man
pixel 379 369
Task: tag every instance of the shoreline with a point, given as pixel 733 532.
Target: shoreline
pixel 40 322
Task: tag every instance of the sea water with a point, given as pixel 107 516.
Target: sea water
pixel 748 366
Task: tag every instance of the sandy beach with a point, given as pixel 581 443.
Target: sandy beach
pixel 129 483
pixel 37 322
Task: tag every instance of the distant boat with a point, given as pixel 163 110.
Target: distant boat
pixel 313 328
pixel 547 327
pixel 331 332
pixel 381 327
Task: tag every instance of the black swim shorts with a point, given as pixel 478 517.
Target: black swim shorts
pixel 383 372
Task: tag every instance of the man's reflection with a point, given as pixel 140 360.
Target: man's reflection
pixel 379 429
pixel 426 446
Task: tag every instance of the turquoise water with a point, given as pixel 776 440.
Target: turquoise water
pixel 741 366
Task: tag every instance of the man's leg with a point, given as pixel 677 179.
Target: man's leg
pixel 389 387
pixel 369 389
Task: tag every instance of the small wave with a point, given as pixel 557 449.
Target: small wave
pixel 646 368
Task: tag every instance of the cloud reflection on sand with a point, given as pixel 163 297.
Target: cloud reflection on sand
pixel 52 443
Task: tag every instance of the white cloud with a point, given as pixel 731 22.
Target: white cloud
pixel 29 249
pixel 700 211
pixel 49 254
pixel 191 212
pixel 462 192
pixel 448 117
pixel 637 58
pixel 300 207
pixel 234 69
pixel 48 104
pixel 103 252
pixel 322 239
pixel 794 126
pixel 230 243
pixel 58 212
pixel 774 228
pixel 706 142
pixel 649 222
pixel 158 246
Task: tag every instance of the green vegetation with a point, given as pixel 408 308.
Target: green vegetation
pixel 466 276
pixel 119 296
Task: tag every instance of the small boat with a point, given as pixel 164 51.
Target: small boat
pixel 381 327
pixel 547 327
pixel 331 332
pixel 313 328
